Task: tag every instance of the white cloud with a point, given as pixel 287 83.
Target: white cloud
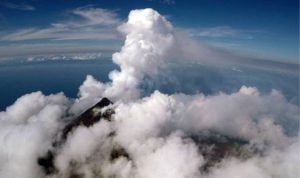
pixel 252 117
pixel 91 88
pixel 93 139
pixel 26 131
pixel 154 131
pixel 148 39
pixel 176 158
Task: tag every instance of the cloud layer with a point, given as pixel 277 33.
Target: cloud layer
pixel 78 56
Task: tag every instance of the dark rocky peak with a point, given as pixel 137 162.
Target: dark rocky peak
pixel 88 118
pixel 102 103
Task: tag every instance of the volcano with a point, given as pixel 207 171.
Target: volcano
pixel 214 147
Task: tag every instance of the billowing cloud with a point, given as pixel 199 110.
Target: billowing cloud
pixel 148 39
pixel 26 131
pixel 161 135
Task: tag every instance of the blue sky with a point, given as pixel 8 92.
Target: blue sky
pixel 264 29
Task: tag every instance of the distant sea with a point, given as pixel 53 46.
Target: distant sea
pixel 51 77
pixel 48 77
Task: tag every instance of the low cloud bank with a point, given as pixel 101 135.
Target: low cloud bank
pixel 159 132
pixel 65 57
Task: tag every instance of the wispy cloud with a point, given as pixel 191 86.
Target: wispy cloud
pixel 60 33
pixel 20 6
pixel 221 32
pixel 66 57
pixel 90 23
pixel 97 16
pixel 168 2
pixel 49 49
